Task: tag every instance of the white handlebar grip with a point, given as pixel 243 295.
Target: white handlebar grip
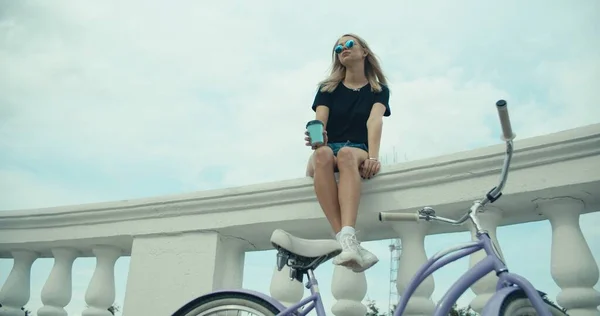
pixel 507 133
pixel 391 217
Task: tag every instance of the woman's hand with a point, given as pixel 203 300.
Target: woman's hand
pixel 369 168
pixel 307 139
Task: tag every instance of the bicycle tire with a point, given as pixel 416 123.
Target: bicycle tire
pixel 520 302
pixel 246 301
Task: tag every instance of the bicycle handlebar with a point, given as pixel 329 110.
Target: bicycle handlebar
pixel 507 132
pixel 402 217
pixel 428 213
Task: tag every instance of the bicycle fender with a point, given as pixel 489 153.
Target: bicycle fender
pixel 492 307
pixel 259 295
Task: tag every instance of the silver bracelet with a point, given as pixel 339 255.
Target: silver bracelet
pixel 373 159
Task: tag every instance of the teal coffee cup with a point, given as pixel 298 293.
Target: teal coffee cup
pixel 315 132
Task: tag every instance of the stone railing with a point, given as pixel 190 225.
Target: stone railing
pixel 202 237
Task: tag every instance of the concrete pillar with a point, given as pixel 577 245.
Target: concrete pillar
pixel 171 270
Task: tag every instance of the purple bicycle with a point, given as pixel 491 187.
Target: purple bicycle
pixel 514 295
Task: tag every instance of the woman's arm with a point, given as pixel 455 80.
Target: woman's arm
pixel 322 114
pixel 374 128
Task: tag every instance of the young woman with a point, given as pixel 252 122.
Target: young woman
pixel 351 103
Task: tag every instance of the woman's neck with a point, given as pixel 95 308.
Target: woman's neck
pixel 355 76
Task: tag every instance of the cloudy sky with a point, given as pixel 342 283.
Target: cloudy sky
pixel 119 100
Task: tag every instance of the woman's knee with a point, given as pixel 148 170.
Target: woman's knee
pixel 323 157
pixel 346 158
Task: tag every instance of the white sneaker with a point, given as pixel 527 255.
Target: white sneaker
pixel 350 256
pixel 354 256
pixel 369 259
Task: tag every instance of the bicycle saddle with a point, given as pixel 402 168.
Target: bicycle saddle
pixel 310 248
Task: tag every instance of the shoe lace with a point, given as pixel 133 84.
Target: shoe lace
pixel 350 242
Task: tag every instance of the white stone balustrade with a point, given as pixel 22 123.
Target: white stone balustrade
pixel 284 289
pixel 15 292
pixel 100 294
pixel 57 291
pixel 486 286
pixel 349 290
pixel 573 266
pixel 197 241
pixel 412 257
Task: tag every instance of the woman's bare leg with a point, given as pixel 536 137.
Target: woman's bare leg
pixel 353 255
pixel 326 187
pixel 349 187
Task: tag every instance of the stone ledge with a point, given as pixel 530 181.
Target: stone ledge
pixel 449 182
pixel 547 149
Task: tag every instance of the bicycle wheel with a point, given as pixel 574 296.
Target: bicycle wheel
pixel 519 305
pixel 222 304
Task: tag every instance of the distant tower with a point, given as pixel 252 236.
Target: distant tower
pixel 394 297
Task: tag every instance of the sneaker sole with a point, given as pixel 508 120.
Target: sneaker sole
pixel 348 262
pixel 359 269
pixel 352 264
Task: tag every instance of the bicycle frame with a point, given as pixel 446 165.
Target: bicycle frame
pixel 491 262
pixel 314 300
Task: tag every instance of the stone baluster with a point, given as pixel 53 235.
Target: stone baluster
pixel 486 286
pixel 16 290
pixel 57 291
pixel 349 289
pixel 573 266
pixel 100 294
pixel 288 292
pixel 412 257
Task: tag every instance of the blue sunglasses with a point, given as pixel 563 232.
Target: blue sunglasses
pixel 339 48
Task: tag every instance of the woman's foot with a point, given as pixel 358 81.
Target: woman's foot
pixel 353 255
pixel 369 259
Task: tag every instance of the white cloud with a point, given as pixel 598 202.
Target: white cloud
pixel 132 93
pixel 23 189
pixel 179 88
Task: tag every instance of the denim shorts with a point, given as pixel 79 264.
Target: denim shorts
pixel 337 146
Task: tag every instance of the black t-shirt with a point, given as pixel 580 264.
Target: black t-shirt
pixel 349 110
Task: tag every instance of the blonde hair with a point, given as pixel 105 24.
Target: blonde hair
pixel 373 70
